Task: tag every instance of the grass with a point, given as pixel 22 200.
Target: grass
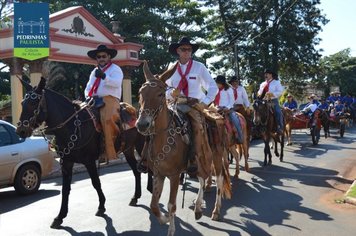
pixel 352 192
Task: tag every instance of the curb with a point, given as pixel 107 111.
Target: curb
pixel 350 200
pixel 78 168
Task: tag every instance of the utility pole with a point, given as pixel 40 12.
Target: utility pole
pixel 237 68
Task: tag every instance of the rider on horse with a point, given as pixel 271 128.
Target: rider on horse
pixel 187 81
pixel 224 100
pixel 272 89
pixel 310 108
pixel 105 87
pixel 290 104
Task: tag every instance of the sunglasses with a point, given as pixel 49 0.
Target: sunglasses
pixel 186 49
pixel 101 56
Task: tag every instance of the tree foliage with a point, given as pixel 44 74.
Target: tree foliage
pixel 338 69
pixel 276 34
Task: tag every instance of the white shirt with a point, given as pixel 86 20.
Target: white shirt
pixel 311 106
pixel 198 78
pixel 226 98
pixel 242 97
pixel 275 87
pixel 111 85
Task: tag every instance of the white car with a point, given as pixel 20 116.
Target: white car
pixel 23 162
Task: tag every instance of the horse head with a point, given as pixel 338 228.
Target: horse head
pixel 260 108
pixel 33 109
pixel 152 100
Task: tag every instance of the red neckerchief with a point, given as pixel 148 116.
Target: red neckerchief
pixel 266 88
pixel 235 93
pixel 217 97
pixel 97 81
pixel 183 83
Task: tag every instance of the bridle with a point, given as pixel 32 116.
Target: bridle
pixel 256 104
pixel 32 121
pixel 171 129
pixel 152 112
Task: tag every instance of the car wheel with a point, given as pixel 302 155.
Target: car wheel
pixel 27 180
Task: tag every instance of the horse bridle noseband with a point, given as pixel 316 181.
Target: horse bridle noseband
pixel 261 123
pixel 31 122
pixel 152 112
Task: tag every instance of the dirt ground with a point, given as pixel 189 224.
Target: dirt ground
pixel 334 198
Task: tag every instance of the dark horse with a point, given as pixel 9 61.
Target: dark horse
pixel 167 151
pixel 266 124
pixel 76 138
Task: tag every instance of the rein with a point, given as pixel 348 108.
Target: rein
pixel 31 122
pixel 170 129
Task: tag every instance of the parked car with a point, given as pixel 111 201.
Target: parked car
pixel 23 162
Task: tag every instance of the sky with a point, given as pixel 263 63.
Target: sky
pixel 340 32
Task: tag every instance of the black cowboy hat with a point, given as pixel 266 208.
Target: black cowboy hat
pixel 269 71
pixel 234 79
pixel 220 79
pixel 102 48
pixel 183 41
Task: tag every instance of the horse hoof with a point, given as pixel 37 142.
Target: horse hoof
pixel 198 215
pixel 100 212
pixel 215 217
pixel 133 202
pixel 56 223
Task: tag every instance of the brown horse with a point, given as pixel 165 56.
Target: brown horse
pixel 266 124
pixel 237 150
pixel 167 152
pixel 301 121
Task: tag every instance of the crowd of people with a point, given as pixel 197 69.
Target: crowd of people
pixel 193 81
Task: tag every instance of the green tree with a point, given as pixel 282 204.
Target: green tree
pixel 275 34
pixel 154 23
pixel 338 69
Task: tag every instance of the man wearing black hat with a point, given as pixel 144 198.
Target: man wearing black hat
pixel 105 85
pixel 273 89
pixel 188 80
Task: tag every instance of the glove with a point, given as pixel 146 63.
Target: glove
pixel 99 73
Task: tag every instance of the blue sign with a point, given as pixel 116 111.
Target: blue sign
pixel 31 30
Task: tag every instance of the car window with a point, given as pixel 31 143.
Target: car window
pixel 5 137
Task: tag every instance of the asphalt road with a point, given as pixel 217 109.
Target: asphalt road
pixel 296 197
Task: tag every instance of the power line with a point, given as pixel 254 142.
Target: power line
pixel 257 15
pixel 278 19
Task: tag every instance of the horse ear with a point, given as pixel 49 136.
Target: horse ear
pixel 41 85
pixel 168 73
pixel 147 72
pixel 26 85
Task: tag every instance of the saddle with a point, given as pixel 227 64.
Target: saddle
pixel 183 124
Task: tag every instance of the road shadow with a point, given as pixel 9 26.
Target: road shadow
pixel 182 228
pixel 10 199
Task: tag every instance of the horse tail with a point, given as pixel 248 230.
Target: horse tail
pixel 227 191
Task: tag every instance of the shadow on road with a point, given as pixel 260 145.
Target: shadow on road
pixel 9 198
